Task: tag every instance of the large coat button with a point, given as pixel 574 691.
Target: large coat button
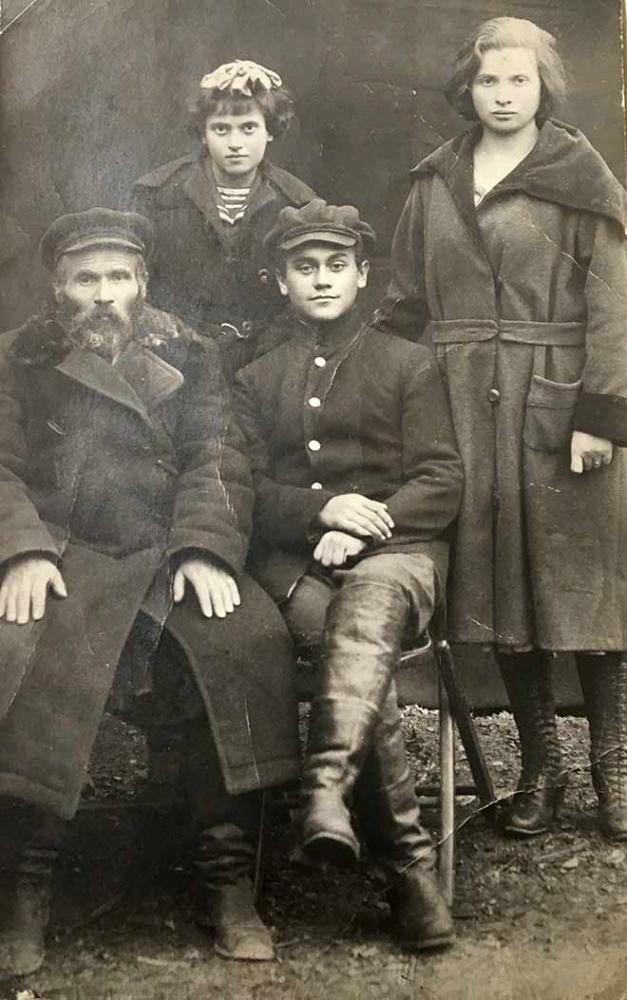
pixel 316 486
pixel 314 401
pixel 314 445
pixel 320 362
pixel 494 396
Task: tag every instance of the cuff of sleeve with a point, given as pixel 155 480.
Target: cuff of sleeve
pixel 603 416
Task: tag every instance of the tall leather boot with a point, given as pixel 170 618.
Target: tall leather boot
pixel 542 784
pixel 604 685
pixel 25 888
pixel 223 853
pixel 362 643
pixel 389 817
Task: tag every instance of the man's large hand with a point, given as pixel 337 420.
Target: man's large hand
pixel 24 589
pixel 216 589
pixel 335 547
pixel 357 515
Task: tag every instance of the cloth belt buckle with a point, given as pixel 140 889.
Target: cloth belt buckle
pixel 241 333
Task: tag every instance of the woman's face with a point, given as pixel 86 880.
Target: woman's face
pixel 506 90
pixel 237 144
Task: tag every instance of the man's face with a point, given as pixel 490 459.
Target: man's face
pixel 99 291
pixel 322 280
pixel 237 144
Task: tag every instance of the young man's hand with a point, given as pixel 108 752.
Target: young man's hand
pixel 589 452
pixel 24 589
pixel 358 515
pixel 335 547
pixel 215 589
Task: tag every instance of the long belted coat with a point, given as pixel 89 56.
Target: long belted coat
pixel 206 271
pixel 525 302
pixel 341 408
pixel 113 471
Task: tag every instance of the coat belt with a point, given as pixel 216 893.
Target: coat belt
pixel 465 331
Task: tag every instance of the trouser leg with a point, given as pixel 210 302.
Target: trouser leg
pixel 31 840
pixel 604 685
pixel 540 792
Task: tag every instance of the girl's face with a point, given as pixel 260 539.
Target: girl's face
pixel 506 90
pixel 236 144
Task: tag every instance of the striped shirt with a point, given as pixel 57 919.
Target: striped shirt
pixel 232 203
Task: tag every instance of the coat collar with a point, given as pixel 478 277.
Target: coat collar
pixel 141 379
pixel 201 189
pixel 563 167
pixel 332 338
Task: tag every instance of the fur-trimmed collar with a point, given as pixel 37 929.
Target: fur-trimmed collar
pixel 43 341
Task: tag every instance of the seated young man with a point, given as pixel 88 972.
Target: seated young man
pixel 357 482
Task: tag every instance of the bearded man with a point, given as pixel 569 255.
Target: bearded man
pixel 125 511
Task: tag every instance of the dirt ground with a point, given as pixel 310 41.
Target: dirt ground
pixel 539 920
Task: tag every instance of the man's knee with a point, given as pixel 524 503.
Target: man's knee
pixel 412 574
pixel 305 610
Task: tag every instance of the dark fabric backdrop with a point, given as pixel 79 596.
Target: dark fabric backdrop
pixel 94 94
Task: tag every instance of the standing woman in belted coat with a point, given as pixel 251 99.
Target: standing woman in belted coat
pixel 509 256
pixel 211 210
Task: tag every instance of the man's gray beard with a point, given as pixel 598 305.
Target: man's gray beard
pixel 104 332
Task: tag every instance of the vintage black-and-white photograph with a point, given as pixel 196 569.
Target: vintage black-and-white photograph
pixel 313 500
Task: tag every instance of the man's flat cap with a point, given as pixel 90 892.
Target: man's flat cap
pixel 318 222
pixel 97 227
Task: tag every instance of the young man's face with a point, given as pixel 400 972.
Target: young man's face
pixel 236 144
pixel 322 280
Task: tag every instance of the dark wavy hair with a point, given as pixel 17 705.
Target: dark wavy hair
pixel 505 33
pixel 276 106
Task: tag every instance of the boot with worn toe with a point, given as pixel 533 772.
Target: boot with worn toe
pixel 25 891
pixel 389 816
pixel 538 798
pixel 239 931
pixel 604 685
pixel 223 853
pixel 363 634
pixel 421 920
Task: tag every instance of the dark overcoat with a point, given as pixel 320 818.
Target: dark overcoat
pixel 113 471
pixel 525 302
pixel 204 270
pixel 341 408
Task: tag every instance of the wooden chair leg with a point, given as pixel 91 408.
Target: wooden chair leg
pixel 259 851
pixel 465 724
pixel 447 796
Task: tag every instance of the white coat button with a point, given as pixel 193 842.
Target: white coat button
pixel 320 362
pixel 314 445
pixel 316 486
pixel 314 401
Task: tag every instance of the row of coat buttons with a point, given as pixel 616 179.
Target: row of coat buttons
pixel 315 402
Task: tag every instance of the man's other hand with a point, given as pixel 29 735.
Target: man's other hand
pixel 358 515
pixel 335 547
pixel 215 589
pixel 589 452
pixel 24 589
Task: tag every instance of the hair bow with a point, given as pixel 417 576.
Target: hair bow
pixel 241 77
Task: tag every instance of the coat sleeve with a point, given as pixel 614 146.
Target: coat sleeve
pixel 283 513
pixel 602 404
pixel 404 310
pixel 214 497
pixel 428 502
pixel 21 529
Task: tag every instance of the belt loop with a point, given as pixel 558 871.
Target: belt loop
pixel 539 360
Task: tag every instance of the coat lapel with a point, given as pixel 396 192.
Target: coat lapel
pixel 139 381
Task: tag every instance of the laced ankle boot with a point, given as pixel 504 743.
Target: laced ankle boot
pixel 604 685
pixel 26 888
pixel 389 817
pixel 542 784
pixel 363 633
pixel 223 854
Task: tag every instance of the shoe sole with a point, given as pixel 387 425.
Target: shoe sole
pixel 429 944
pixel 223 953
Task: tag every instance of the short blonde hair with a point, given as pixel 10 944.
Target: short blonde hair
pixel 505 33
